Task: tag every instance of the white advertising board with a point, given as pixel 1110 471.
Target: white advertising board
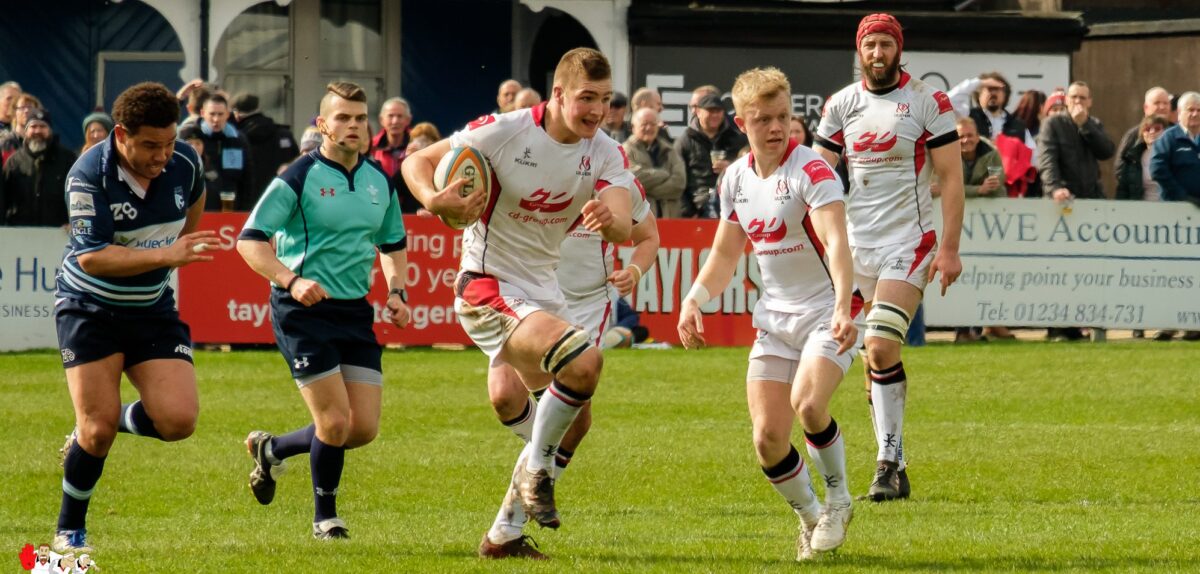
pixel 1096 263
pixel 29 260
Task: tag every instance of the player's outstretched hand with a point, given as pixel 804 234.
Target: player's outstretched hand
pixel 845 332
pixel 399 311
pixel 623 280
pixel 949 264
pixel 450 204
pixel 691 326
pixel 307 292
pixel 596 215
pixel 190 248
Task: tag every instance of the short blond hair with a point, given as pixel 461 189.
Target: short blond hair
pixel 759 84
pixel 581 62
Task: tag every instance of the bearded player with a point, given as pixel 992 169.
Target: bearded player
pixel 552 172
pixel 891 126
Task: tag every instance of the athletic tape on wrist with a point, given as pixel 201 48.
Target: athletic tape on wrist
pixel 698 293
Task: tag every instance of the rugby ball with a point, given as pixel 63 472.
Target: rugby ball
pixel 464 162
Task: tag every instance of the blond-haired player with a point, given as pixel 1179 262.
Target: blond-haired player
pixel 892 127
pixel 787 201
pixel 553 171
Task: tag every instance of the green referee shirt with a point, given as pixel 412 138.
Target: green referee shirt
pixel 327 222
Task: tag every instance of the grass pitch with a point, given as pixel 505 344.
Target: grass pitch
pixel 1026 457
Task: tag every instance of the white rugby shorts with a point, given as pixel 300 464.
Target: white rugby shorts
pixel 790 336
pixel 489 310
pixel 908 261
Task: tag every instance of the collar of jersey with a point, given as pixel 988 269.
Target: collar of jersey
pixel 904 78
pixel 349 175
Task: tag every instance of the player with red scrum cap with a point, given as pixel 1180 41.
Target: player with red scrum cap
pixel 891 127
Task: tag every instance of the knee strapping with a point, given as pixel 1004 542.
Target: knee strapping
pixel 887 321
pixel 570 345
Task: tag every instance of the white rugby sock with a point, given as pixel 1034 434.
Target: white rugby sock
pixel 889 388
pixel 555 413
pixel 522 425
pixel 791 481
pixel 510 520
pixel 827 450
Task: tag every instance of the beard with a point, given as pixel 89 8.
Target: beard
pixel 881 78
pixel 37 145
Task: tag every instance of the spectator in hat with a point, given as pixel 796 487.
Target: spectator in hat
pixel 271 144
pixel 614 122
pixel 708 146
pixel 96 127
pixel 35 176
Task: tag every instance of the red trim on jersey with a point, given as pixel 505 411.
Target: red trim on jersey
pixel 601 185
pixel 624 158
pixel 733 217
pixel 919 154
pixel 792 145
pixel 927 242
pixel 491 206
pixel 641 189
pixel 857 302
pixel 943 102
pixel 790 475
pixel 603 322
pixel 539 115
pixel 838 138
pixel 826 445
pixel 812 236
pixel 486 291
pixel 904 78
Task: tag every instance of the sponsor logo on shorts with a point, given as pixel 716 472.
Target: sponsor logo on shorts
pixel 67 356
pixel 80 204
pixel 183 350
pixel 300 363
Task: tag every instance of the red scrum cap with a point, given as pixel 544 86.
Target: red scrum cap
pixel 880 24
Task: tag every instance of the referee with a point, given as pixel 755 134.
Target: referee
pixel 328 213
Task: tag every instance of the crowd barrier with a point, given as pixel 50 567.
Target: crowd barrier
pixel 1131 265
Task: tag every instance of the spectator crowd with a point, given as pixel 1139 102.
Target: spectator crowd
pixel 1044 145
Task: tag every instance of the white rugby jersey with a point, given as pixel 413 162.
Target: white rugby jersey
pixel 587 259
pixel 885 137
pixel 774 214
pixel 539 187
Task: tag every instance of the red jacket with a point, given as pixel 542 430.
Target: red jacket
pixel 1018 164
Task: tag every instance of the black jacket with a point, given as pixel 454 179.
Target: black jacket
pixel 1129 171
pixel 33 186
pixel 1012 127
pixel 228 164
pixel 271 145
pixel 1069 156
pixel 694 147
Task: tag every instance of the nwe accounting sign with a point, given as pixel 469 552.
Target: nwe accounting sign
pixel 1095 263
pixel 29 261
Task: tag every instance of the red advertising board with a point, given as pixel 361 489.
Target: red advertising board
pixel 225 302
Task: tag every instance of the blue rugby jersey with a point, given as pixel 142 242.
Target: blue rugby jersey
pixel 104 211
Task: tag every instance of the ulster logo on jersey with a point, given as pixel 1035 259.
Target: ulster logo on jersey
pixel 546 202
pixel 871 141
pixel 585 166
pixel 902 110
pixel 762 231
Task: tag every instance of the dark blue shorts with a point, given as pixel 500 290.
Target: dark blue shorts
pixel 318 339
pixel 89 332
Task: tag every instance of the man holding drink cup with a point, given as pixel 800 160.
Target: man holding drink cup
pixel 709 145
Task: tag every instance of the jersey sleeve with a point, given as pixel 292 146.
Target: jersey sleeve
pixel 829 131
pixel 89 218
pixel 727 189
pixel 819 184
pixel 391 235
pixel 488 133
pixel 640 207
pixel 614 170
pixel 196 193
pixel 939 119
pixel 276 206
